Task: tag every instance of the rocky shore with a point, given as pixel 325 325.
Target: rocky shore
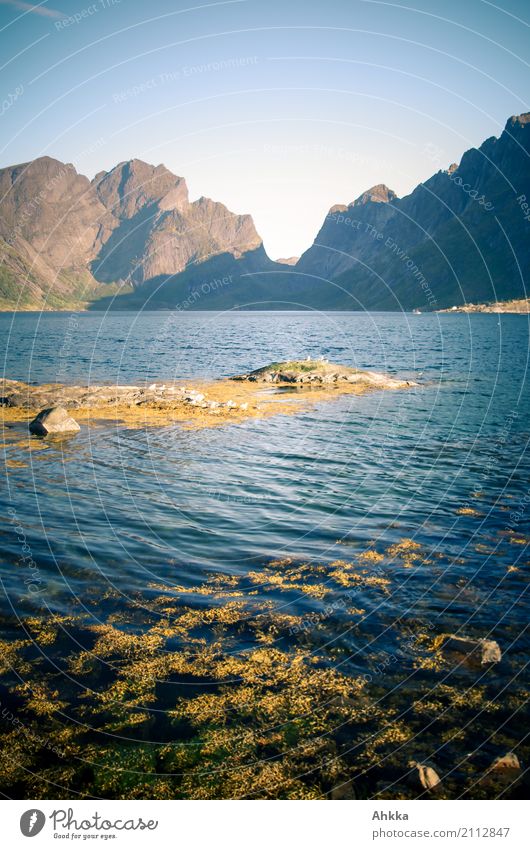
pixel 321 373
pixel 204 404
pixel 517 306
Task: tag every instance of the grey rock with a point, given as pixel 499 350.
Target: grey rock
pixel 321 371
pixel 504 772
pixel 193 396
pixel 18 399
pixel 426 774
pixel 53 420
pixel 482 650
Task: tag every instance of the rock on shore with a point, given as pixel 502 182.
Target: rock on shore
pixel 54 420
pixel 169 394
pixel 320 373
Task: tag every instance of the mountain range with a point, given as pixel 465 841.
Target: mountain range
pixel 130 239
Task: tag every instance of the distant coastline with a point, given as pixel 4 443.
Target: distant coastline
pixel 516 306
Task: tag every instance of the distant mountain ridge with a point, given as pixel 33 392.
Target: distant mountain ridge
pixel 461 236
pixel 131 238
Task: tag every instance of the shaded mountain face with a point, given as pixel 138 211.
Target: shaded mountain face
pixel 461 236
pixel 62 236
pixel 344 235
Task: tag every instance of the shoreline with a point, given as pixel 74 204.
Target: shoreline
pixel 258 395
pixel 513 307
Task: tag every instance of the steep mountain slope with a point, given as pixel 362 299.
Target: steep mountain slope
pixel 63 236
pixel 461 236
pixel 346 232
pixel 48 230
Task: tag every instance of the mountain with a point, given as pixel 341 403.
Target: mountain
pixel 461 236
pixel 346 233
pixel 130 238
pixel 48 227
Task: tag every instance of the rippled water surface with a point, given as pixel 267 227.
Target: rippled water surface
pixel 423 497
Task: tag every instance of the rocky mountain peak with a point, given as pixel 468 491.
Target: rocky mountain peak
pixel 51 177
pixel 134 184
pixel 48 211
pixel 517 121
pixel 337 207
pixel 377 194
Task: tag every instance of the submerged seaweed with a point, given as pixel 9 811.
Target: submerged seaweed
pixel 207 691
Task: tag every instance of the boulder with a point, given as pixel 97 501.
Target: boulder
pixel 509 761
pixel 343 791
pixel 53 420
pixel 482 650
pixel 504 771
pixel 426 774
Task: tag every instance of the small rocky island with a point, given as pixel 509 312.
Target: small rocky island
pixel 57 408
pixel 320 373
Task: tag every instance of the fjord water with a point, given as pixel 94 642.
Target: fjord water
pixel 113 511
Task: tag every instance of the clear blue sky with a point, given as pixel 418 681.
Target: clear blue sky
pixel 279 108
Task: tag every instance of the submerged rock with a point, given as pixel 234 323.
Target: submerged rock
pixel 482 650
pixel 343 791
pixel 53 420
pixel 426 774
pixel 504 771
pixel 509 761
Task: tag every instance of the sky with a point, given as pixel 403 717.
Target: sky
pixel 277 108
